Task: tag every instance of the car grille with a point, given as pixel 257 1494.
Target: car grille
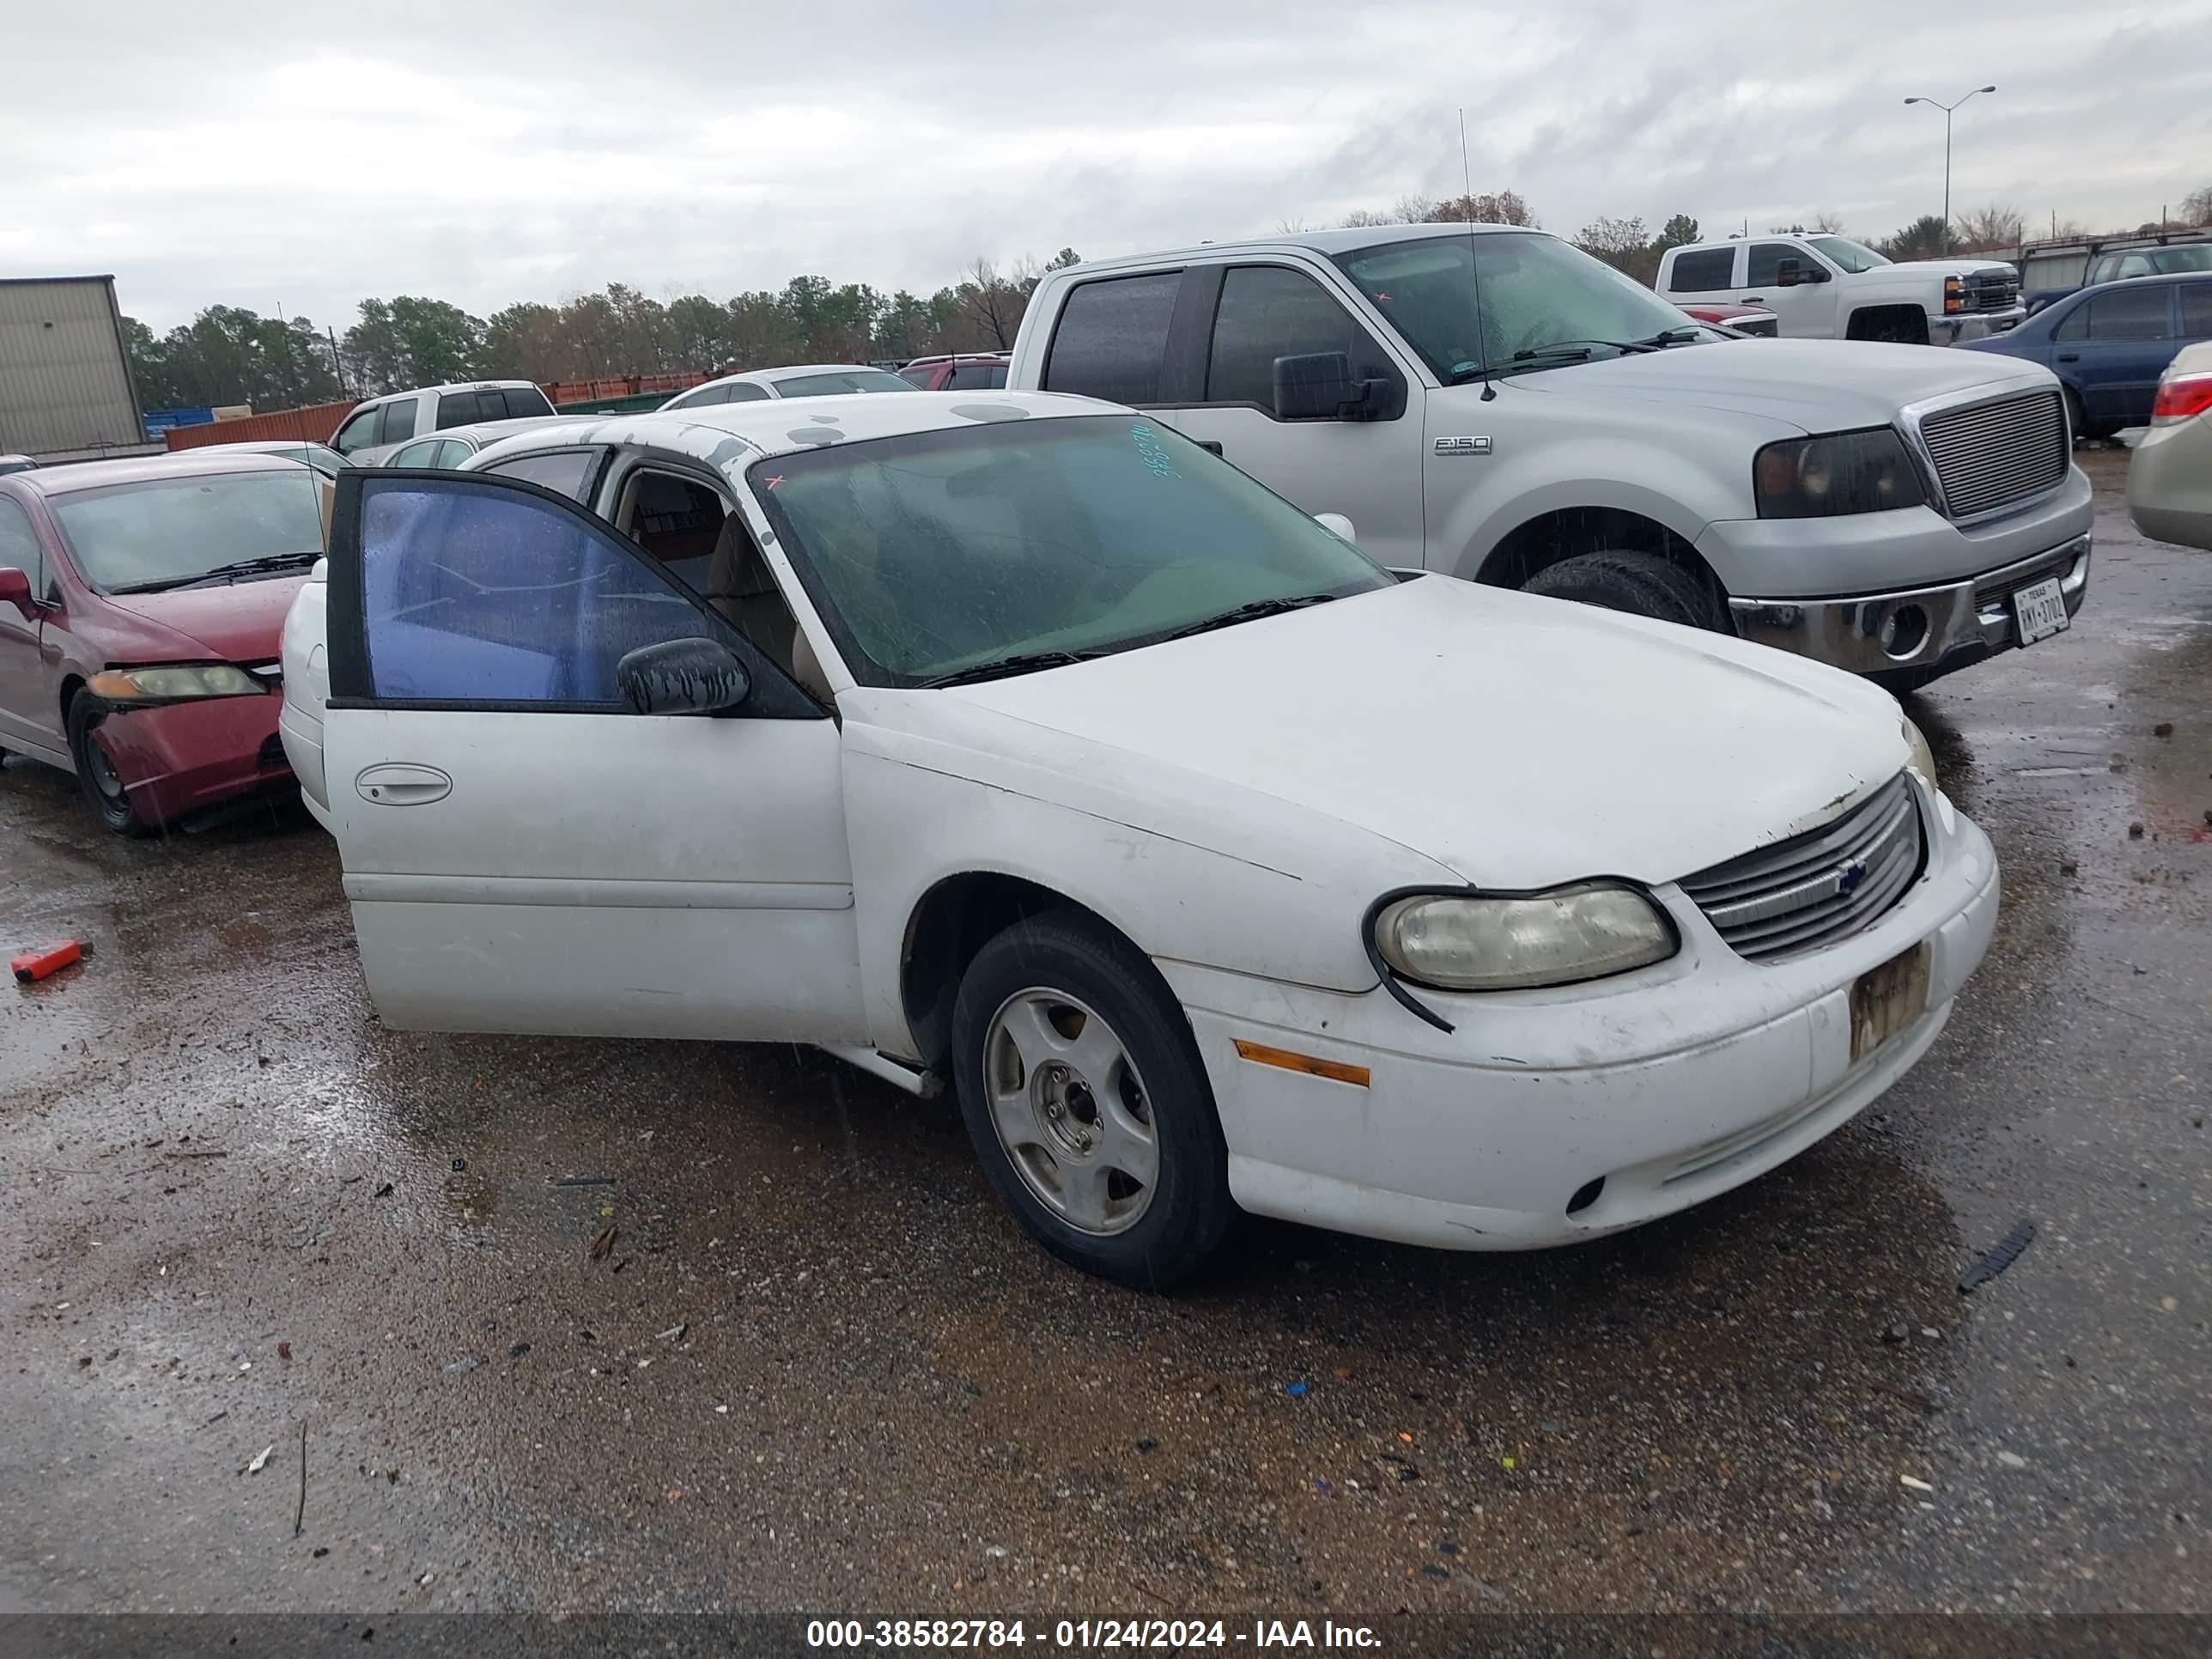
pixel 1819 887
pixel 1987 455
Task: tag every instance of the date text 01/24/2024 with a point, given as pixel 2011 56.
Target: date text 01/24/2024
pixel 1083 1635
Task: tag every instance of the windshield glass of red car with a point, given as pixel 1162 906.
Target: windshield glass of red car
pixel 170 530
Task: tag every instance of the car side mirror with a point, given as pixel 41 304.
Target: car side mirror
pixel 1317 386
pixel 15 590
pixel 683 676
pixel 1338 525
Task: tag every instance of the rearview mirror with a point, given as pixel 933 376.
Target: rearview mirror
pixel 683 676
pixel 15 589
pixel 1317 386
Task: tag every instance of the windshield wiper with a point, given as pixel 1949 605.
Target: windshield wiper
pixel 1250 612
pixel 223 573
pixel 1022 662
pixel 1682 335
pixel 1556 355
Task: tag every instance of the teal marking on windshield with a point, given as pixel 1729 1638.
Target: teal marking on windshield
pixel 1154 454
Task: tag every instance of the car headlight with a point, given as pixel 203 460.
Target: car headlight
pixel 1921 758
pixel 1476 942
pixel 183 683
pixel 1842 472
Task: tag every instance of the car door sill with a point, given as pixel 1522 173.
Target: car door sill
pixel 591 893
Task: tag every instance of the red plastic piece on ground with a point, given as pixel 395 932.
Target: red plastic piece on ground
pixel 48 959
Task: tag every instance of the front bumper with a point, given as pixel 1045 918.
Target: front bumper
pixel 1951 330
pixel 178 757
pixel 1916 630
pixel 1673 1085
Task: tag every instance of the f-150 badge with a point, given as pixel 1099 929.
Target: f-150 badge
pixel 1462 446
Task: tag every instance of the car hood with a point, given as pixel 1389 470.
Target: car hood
pixel 1518 741
pixel 237 621
pixel 1814 386
pixel 1941 267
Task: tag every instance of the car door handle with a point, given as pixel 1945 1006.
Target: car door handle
pixel 396 783
pixel 1210 446
pixel 2070 356
pixel 1753 300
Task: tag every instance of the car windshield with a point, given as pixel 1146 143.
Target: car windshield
pixel 2170 261
pixel 1846 254
pixel 1531 291
pixel 172 529
pixel 935 552
pixel 844 379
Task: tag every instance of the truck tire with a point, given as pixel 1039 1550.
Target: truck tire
pixel 1642 584
pixel 1075 1064
pixel 1897 324
pixel 2078 420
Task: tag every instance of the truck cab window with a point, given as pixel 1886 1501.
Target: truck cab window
pixel 1112 338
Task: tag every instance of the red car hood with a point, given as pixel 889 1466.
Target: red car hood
pixel 237 623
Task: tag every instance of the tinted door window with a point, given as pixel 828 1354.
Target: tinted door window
pixel 2136 313
pixel 424 454
pixel 482 595
pixel 359 432
pixel 705 398
pixel 462 408
pixel 451 453
pixel 976 377
pixel 1765 263
pixel 2196 311
pixel 1267 312
pixel 2135 265
pixel 1701 273
pixel 398 421
pixel 20 549
pixel 566 471
pixel 2074 326
pixel 1112 337
pixel 744 392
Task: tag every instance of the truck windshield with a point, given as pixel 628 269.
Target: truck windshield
pixel 1531 291
pixel 1847 254
pixel 155 535
pixel 1007 546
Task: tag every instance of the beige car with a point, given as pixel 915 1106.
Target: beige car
pixel 2170 477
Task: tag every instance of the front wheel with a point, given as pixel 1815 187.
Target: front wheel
pixel 1642 584
pixel 96 772
pixel 1085 1096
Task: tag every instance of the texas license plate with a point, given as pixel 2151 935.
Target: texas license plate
pixel 1887 999
pixel 2040 609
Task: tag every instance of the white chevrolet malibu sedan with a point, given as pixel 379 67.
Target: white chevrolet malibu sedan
pixel 1017 741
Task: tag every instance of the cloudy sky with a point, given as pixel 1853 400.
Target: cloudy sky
pixel 309 156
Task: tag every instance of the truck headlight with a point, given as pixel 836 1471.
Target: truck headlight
pixel 1477 942
pixel 1865 471
pixel 183 682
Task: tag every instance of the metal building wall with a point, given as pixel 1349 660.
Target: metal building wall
pixel 65 387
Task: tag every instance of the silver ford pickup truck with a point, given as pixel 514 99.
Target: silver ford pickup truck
pixel 1495 405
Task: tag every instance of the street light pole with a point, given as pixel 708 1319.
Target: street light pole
pixel 1947 109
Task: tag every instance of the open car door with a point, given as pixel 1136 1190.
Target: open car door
pixel 525 850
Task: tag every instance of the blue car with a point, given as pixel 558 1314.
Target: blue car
pixel 2109 344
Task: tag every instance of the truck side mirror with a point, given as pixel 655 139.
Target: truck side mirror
pixel 1317 386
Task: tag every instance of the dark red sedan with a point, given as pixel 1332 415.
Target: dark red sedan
pixel 140 606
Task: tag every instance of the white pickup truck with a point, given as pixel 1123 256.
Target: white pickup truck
pixel 1830 287
pixel 1496 404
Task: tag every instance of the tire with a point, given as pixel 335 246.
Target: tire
pixel 95 773
pixel 1083 1093
pixel 1641 584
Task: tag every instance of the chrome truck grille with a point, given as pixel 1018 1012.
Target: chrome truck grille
pixel 1819 887
pixel 1988 455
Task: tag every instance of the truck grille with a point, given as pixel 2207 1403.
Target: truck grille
pixel 1987 455
pixel 1819 887
pixel 1991 290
